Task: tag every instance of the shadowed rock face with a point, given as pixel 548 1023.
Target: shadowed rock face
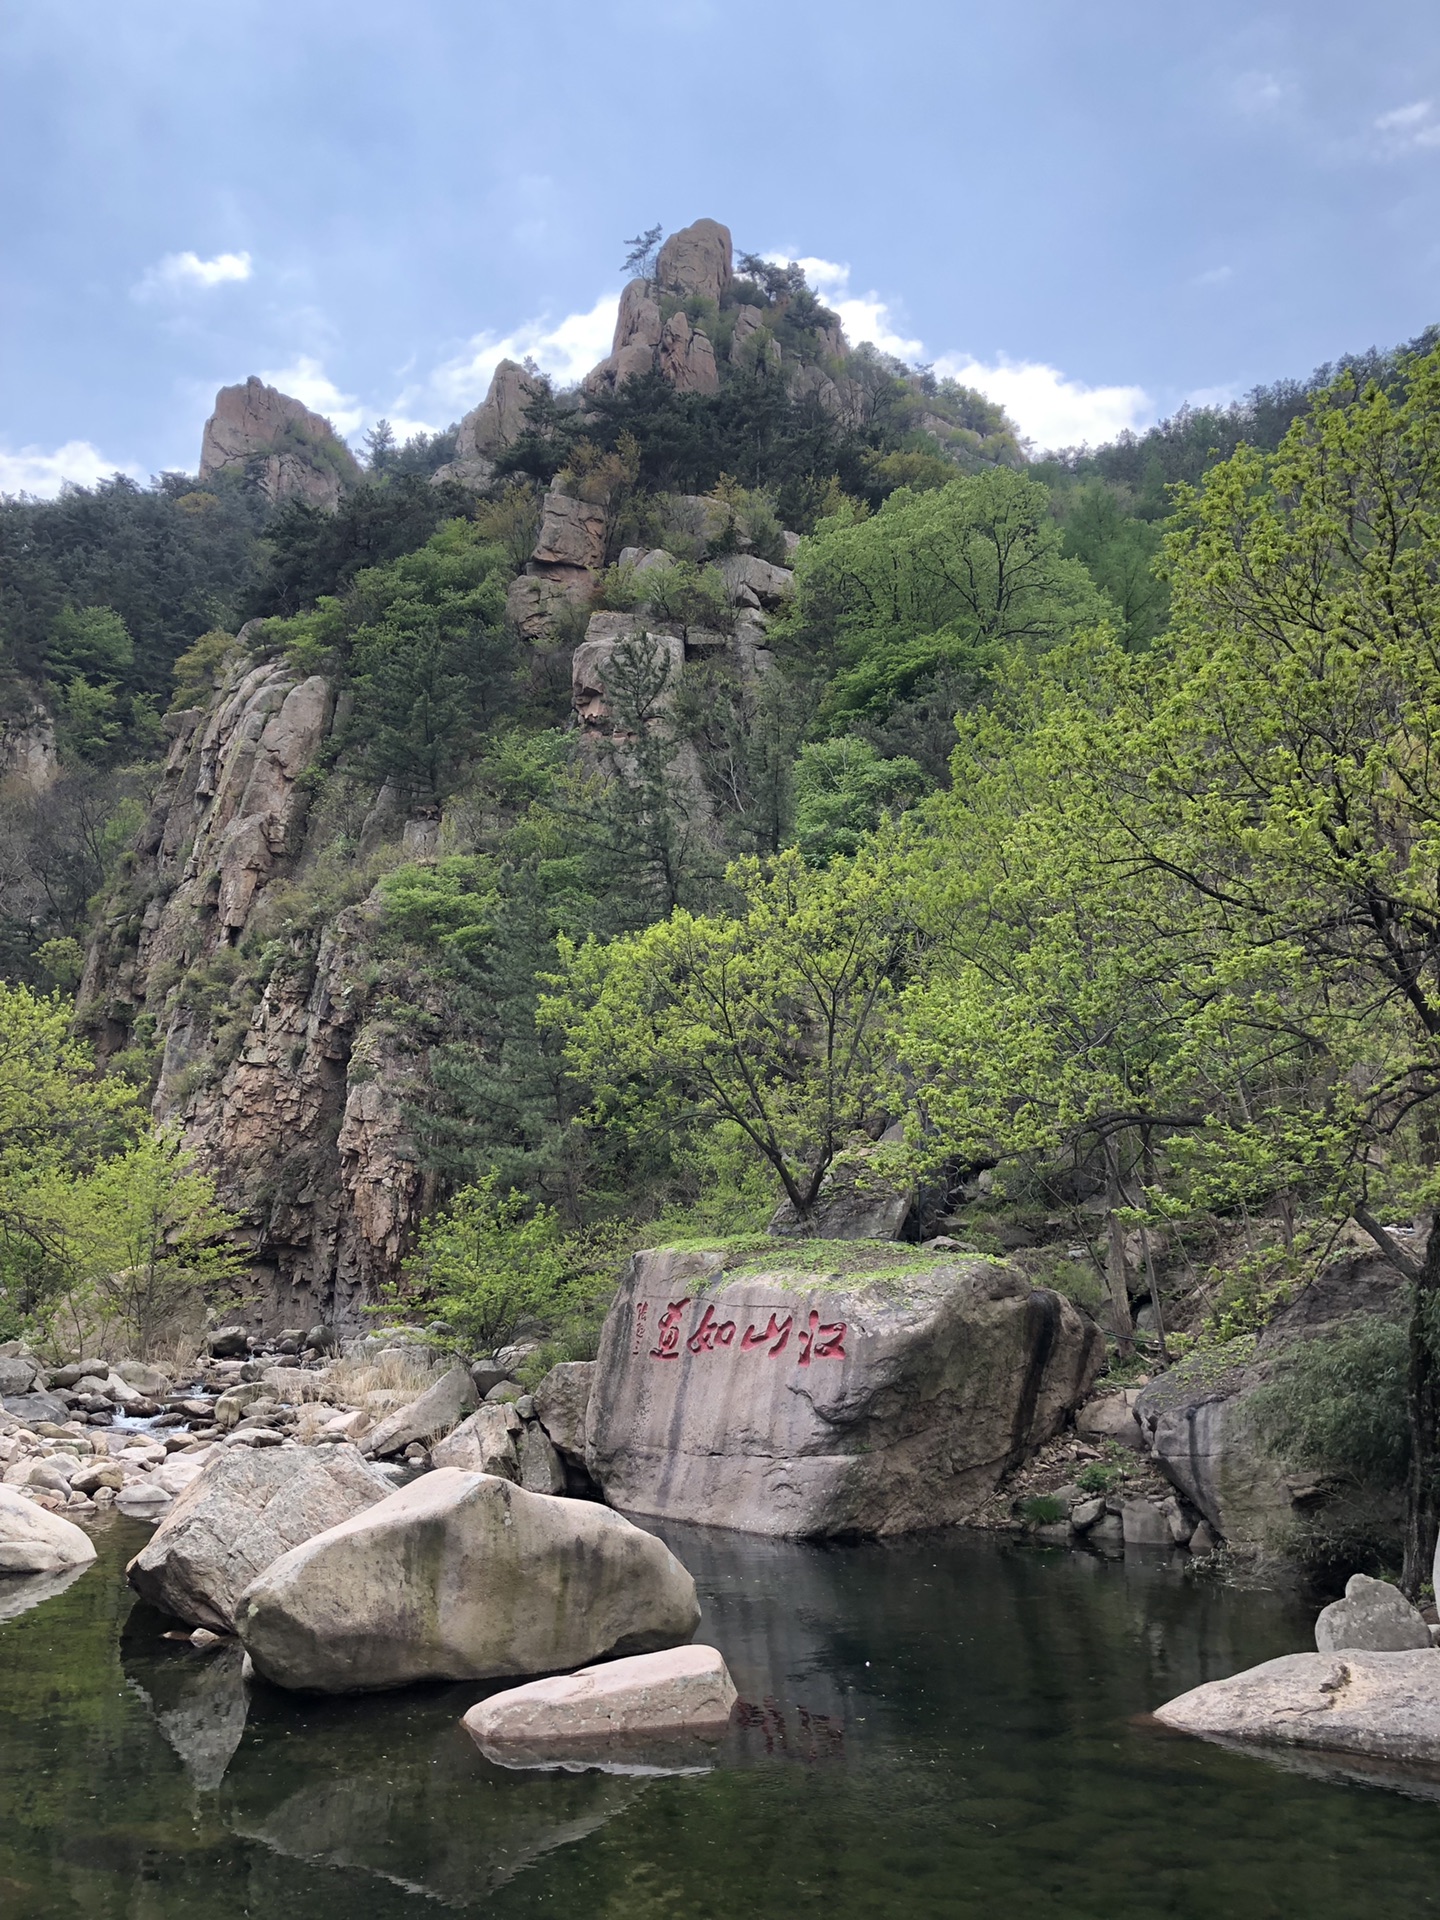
pixel 299 456
pixel 797 1403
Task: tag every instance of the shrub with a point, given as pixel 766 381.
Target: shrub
pixel 1337 1403
pixel 1042 1510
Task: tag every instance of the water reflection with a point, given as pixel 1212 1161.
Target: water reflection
pixel 19 1592
pixel 199 1700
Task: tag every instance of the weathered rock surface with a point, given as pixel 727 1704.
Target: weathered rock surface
pixel 1111 1416
pixel 808 1404
pixel 561 1401
pixel 1199 1423
pixel 485 1443
pixel 572 532
pixel 540 1468
pixel 685 1691
pixel 304 1125
pixel 462 1576
pixel 1386 1705
pixel 696 261
pixel 294 454
pixel 245 1511
pixel 443 1405
pixel 35 1541
pixel 1374 1617
pixel 496 424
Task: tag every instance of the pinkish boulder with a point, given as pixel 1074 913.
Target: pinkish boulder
pixel 683 1692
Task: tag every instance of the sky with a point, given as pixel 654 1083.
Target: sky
pixel 1094 214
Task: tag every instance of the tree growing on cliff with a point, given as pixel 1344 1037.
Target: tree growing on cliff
pixel 778 1019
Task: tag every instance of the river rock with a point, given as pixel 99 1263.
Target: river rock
pixel 246 1509
pixel 228 1343
pixel 1374 1617
pixel 461 1576
pixel 484 1443
pixel 1383 1704
pixel 34 1541
pixel 809 1404
pixel 32 1408
pixel 1110 1416
pixel 17 1374
pixel 561 1401
pixel 149 1381
pixel 143 1500
pixel 684 1691
pixel 442 1406
pixel 540 1468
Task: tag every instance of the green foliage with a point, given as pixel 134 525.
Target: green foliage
pixel 963 578
pixel 88 640
pixel 778 1020
pixel 493 1266
pixel 198 670
pixel 313 553
pixel 448 905
pixel 843 790
pixel 1337 1404
pixel 1097 1477
pixel 1042 1510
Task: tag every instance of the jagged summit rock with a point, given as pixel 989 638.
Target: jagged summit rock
pixel 698 261
pixel 497 423
pixel 297 454
pixel 694 264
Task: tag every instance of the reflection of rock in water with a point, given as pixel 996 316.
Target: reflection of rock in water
pixel 1414 1780
pixel 199 1700
pixel 394 1788
pixel 21 1591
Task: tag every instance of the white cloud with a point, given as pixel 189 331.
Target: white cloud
pixel 31 470
pixel 1213 277
pixel 566 350
pixel 188 273
pixel 307 381
pixel 1406 129
pixel 1260 93
pixel 865 317
pixel 1049 409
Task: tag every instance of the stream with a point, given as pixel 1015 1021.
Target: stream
pixel 948 1725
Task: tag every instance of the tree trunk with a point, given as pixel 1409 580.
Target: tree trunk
pixel 1116 1270
pixel 1422 1407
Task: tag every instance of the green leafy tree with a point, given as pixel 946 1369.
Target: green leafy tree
pixel 778 1019
pixel 843 790
pixel 491 1262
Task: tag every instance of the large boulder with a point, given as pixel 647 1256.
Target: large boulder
pixel 33 1540
pixel 17 1373
pixel 561 1402
pixel 443 1405
pixel 246 1509
pixel 461 1576
pixel 1386 1705
pixel 683 1692
pixel 485 1443
pixel 696 262
pixel 1200 1422
pixel 1374 1617
pixel 778 1401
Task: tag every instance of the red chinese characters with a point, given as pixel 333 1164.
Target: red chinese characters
pixel 778 1331
pixel 711 1333
pixel 667 1333
pixel 822 1342
pixel 638 1338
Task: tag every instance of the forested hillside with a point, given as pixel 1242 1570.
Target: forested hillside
pixel 747 781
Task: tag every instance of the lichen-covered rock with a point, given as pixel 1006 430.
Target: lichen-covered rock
pixel 802 1403
pixel 243 1512
pixel 33 1540
pixel 1386 1705
pixel 461 1576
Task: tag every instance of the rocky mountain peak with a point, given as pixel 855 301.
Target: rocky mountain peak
pixel 295 454
pixel 497 423
pixel 697 262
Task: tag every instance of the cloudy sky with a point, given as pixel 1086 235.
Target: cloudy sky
pixel 1092 213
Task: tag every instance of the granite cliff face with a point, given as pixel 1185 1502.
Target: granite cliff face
pixel 293 454
pixel 283 1081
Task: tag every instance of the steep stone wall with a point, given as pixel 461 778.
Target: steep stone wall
pixel 290 1089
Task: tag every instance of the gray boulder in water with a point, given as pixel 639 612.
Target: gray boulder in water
pixel 245 1510
pixel 1386 1705
pixel 462 1576
pixel 816 1403
pixel 34 1540
pixel 1374 1617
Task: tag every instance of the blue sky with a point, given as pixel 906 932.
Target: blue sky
pixel 1093 212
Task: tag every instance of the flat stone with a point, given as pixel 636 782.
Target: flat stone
pixel 1386 1705
pixel 684 1692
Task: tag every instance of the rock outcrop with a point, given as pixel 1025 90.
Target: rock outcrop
pixel 1199 1422
pixel 239 1517
pixel 602 1713
pixel 694 264
pixel 460 1576
pixel 1385 1705
pixel 301 1113
pixel 495 425
pixel 34 1541
pixel 813 1404
pixel 1374 1617
pixel 291 453
pixel 28 761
